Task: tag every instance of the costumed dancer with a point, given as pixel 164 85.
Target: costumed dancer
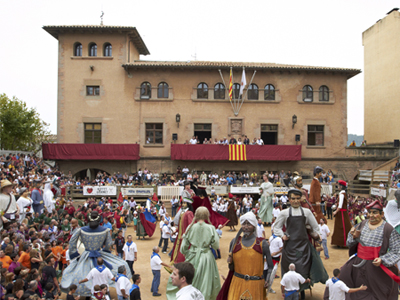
pixel 201 199
pixel 48 196
pixel 246 264
pixel 183 218
pixel 37 196
pixel 145 224
pixel 266 207
pixel 196 246
pixel 297 248
pixel 377 246
pixel 24 203
pixel 315 194
pixel 342 220
pixel 97 242
pixel 231 215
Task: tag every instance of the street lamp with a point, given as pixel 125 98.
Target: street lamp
pixel 294 120
pixel 178 119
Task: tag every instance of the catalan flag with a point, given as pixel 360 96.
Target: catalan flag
pixel 237 152
pixel 230 85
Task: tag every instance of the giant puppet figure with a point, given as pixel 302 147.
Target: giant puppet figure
pixel 375 250
pixel 315 194
pixel 297 248
pixel 298 184
pixel 342 220
pixel 266 207
pixel 246 264
pixel 97 242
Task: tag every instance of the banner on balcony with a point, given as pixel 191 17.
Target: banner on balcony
pixel 89 190
pixel 237 152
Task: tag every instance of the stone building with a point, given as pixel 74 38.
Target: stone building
pixel 107 94
pixel 381 80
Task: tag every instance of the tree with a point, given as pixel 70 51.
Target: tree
pixel 20 126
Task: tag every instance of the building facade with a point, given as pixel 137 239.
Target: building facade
pixel 108 94
pixel 381 80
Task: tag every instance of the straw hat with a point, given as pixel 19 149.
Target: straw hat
pixel 5 183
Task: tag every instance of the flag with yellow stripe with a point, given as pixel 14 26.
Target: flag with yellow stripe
pixel 237 152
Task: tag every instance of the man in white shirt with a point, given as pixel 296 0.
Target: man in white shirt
pixel 182 277
pixel 260 229
pixel 99 275
pixel 174 205
pixel 166 233
pixel 122 284
pixel 325 232
pixel 130 253
pixel 215 206
pixel 337 289
pixel 162 211
pixel 284 199
pixel 155 264
pixel 275 247
pixel 260 141
pixel 290 283
pixel 276 211
pixel 193 141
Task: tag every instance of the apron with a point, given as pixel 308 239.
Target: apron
pixel 297 249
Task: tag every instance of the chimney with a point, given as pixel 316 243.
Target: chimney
pixel 394 9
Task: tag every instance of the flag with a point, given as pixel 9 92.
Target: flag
pixel 237 152
pixel 230 85
pixel 242 83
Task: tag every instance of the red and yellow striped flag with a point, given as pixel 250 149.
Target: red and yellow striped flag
pixel 237 152
pixel 230 85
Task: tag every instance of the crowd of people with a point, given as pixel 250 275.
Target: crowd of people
pixel 232 141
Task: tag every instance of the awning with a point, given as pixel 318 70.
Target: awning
pixel 221 152
pixel 91 151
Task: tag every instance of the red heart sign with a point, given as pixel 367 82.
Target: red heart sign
pixel 89 190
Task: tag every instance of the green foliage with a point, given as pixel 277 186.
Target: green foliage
pixel 20 126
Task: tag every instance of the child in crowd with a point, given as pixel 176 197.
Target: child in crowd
pixel 64 256
pixel 72 290
pixel 104 290
pixel 97 294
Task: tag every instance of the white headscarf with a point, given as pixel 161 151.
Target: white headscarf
pixel 250 217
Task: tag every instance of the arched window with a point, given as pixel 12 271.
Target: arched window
pixel 219 91
pixel 308 93
pixel 236 90
pixel 252 92
pixel 78 49
pixel 107 51
pixel 92 49
pixel 162 91
pixel 323 93
pixel 145 90
pixel 269 92
pixel 202 91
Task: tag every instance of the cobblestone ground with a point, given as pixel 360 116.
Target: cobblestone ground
pixel 337 258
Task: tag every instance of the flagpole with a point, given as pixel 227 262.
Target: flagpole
pixel 251 81
pixel 220 73
pixel 240 104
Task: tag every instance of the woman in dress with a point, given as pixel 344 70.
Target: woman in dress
pixel 342 219
pixel 266 207
pixel 97 242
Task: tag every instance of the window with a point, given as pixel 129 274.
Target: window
pixel 202 132
pixel 78 49
pixel 253 92
pixel 92 90
pixel 107 51
pixel 323 93
pixel 162 91
pixel 315 135
pixel 236 90
pixel 269 134
pixel 202 91
pixel 145 90
pixel 154 133
pixel 269 92
pixel 92 49
pixel 219 91
pixel 92 133
pixel 307 93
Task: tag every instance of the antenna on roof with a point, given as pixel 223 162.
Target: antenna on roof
pixel 195 54
pixel 101 17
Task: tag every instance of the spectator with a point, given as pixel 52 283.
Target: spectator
pixel 49 275
pixel 325 232
pixel 182 277
pixel 290 283
pixel 134 290
pixel 352 144
pixel 119 244
pixel 166 233
pixel 232 141
pixel 25 258
pixel 72 290
pixel 5 259
pixel 337 289
pixel 260 230
pixel 246 140
pixel 98 275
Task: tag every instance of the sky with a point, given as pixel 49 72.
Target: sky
pixel 315 33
